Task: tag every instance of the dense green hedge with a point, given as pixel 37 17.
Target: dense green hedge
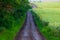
pixel 11 10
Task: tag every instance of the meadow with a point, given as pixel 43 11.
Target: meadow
pixel 49 15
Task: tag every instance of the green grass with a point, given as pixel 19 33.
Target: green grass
pixel 48 4
pixel 11 33
pixel 48 12
pixel 52 15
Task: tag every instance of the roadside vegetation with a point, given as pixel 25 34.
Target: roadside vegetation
pixel 12 17
pixel 47 18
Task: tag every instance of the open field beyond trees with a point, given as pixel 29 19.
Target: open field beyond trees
pixel 48 13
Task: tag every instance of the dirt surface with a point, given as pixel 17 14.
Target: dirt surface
pixel 30 31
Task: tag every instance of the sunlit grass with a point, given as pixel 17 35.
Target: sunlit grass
pixel 52 15
pixel 48 12
pixel 48 4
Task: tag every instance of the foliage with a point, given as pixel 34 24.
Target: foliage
pixel 11 10
pixel 12 17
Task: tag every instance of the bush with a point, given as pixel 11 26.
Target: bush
pixel 58 28
pixel 11 10
pixel 5 19
pixel 2 29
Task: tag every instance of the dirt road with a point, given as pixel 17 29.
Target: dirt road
pixel 30 31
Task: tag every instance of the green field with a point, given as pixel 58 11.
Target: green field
pixel 48 12
pixel 48 4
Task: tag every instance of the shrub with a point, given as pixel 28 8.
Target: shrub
pixel 11 10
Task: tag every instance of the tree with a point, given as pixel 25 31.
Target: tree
pixel 9 11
